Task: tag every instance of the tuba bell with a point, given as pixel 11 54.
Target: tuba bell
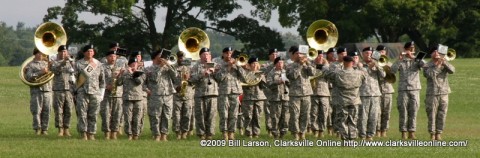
pixel 451 54
pixel 48 37
pixel 322 34
pixel 191 40
pixel 241 58
pixel 312 53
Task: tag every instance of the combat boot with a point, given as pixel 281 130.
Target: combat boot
pixel 438 136
pixel 378 133
pixel 107 135
pixel 242 132
pixel 369 138
pixel 411 135
pixel 231 135
pixel 130 137
pixel 433 136
pixel 91 137
pixel 38 132
pixel 113 135
pixel 209 137
pixel 309 130
pixel 60 132
pixel 84 136
pixel 44 133
pixel 66 132
pixel 163 137
pixel 302 136
pixel 330 131
pixel 384 134
pixel 270 134
pixel 225 135
pixel 296 135
pixel 184 135
pixel 202 137
pixel 404 135
pixel 320 134
pixel 190 132
pixel 157 138
pixel 179 135
pixel 315 133
pixel 135 137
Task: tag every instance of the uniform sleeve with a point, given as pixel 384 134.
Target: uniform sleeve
pixel 196 75
pixel 30 74
pixel 293 72
pixel 222 73
pixel 172 73
pixel 395 67
pixel 102 79
pixel 449 67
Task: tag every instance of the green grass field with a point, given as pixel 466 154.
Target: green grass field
pixel 17 138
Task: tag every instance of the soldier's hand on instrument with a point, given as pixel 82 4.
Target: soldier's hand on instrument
pixel 45 70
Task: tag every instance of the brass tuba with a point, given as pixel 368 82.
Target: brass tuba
pixel 241 58
pixel 322 34
pixel 451 54
pixel 48 37
pixel 191 40
pixel 312 54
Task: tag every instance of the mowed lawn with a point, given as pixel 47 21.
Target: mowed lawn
pixel 17 138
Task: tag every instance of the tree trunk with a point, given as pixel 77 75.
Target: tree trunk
pixel 168 24
pixel 150 15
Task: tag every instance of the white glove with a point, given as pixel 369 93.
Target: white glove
pixel 284 77
pixel 102 92
pixel 72 79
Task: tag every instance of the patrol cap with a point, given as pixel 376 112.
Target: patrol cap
pixel 367 49
pixel 252 59
pixel 35 51
pixel 135 53
pixel 277 59
pixel 381 47
pixel 271 51
pixel 226 49
pixel 114 44
pixel 341 50
pixel 330 50
pixel 155 54
pixel 87 47
pixel 62 48
pixel 110 53
pixel 320 52
pixel 165 54
pixel 352 54
pixel 203 50
pixel 409 44
pixel 132 60
pixel 347 59
pixel 293 49
pixel 433 48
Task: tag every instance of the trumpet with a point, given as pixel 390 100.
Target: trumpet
pixel 172 60
pixel 451 54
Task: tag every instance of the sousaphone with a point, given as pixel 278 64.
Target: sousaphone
pixel 191 40
pixel 322 34
pixel 48 37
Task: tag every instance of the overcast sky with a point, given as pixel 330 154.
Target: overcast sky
pixel 31 13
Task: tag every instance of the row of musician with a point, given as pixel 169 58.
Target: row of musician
pixel 341 94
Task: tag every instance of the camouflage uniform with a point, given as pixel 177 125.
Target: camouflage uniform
pixel 278 102
pixel 89 95
pixel 205 100
pixel 253 100
pixel 385 105
pixel 370 96
pixel 132 102
pixel 160 102
pixel 408 92
pixel 320 101
pixel 229 90
pixel 437 95
pixel 183 105
pixel 145 97
pixel 111 106
pixel 40 96
pixel 334 104
pixel 347 82
pixel 267 108
pixel 62 93
pixel 300 92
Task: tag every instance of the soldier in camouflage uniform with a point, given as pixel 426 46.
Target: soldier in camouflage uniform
pixel 347 82
pixel 41 95
pixel 183 99
pixel 62 90
pixel 253 98
pixel 90 91
pixel 385 100
pixel 132 81
pixel 277 85
pixel 228 76
pixel 141 67
pixel 408 89
pixel 335 66
pixel 370 95
pixel 320 99
pixel 266 68
pixel 298 74
pixel 206 92
pixel 160 77
pixel 436 71
pixel 112 104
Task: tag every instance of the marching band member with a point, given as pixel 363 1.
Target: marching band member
pixel 228 76
pixel 206 92
pixel 183 99
pixel 62 90
pixel 370 95
pixel 160 90
pixel 385 100
pixel 436 71
pixel 253 98
pixel 277 83
pixel 408 90
pixel 266 68
pixel 300 90
pixel 335 66
pixel 112 104
pixel 40 96
pixel 320 99
pixel 90 92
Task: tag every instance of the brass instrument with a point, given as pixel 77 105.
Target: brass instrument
pixel 322 34
pixel 382 60
pixel 48 37
pixel 172 60
pixel 451 54
pixel 191 40
pixel 390 77
pixel 241 58
pixel 253 80
pixel 183 84
pixel 312 53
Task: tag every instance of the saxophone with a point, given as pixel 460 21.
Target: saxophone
pixel 184 84
pixel 114 80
